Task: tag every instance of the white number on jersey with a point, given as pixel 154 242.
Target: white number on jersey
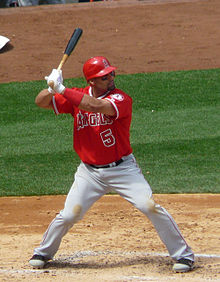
pixel 108 138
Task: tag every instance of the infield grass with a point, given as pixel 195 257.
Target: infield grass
pixel 174 134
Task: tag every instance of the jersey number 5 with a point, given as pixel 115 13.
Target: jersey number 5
pixel 108 138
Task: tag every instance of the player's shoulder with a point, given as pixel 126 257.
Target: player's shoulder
pixel 120 95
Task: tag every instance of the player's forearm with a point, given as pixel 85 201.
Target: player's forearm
pixel 88 103
pixel 44 99
pixel 94 105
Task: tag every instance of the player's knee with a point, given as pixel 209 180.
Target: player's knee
pixel 147 206
pixel 73 216
pixel 151 206
pixel 77 212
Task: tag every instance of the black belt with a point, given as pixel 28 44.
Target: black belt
pixel 108 165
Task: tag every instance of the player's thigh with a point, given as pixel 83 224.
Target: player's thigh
pixel 84 192
pixel 136 190
pixel 134 187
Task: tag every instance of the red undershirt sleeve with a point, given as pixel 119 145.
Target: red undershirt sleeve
pixel 73 96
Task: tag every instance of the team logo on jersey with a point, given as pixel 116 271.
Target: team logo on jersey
pixel 118 97
pixel 91 119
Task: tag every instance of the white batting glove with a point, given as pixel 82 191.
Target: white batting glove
pixel 55 80
pixel 51 90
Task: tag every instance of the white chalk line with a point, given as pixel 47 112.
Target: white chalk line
pixel 80 254
pixel 162 279
pixel 148 278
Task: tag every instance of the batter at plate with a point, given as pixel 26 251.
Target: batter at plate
pixel 102 116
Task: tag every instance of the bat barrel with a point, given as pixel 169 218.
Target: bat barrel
pixel 73 41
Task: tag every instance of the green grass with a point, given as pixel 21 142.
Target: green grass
pixel 174 135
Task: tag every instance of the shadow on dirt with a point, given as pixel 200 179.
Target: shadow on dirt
pixel 108 262
pixel 6 48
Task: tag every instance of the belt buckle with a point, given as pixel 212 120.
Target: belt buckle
pixel 112 164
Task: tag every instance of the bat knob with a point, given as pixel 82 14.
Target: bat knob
pixel 51 84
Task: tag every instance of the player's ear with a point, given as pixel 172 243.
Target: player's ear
pixel 92 82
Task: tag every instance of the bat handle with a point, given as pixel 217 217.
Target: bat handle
pixel 65 57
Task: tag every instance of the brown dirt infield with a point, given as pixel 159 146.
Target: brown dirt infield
pixel 114 242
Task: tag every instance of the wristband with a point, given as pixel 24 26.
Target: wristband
pixel 59 88
pixel 73 96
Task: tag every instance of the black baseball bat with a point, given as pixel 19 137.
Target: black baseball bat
pixel 69 48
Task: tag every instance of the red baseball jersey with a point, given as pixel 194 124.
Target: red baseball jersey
pixel 99 139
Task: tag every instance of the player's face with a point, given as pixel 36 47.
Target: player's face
pixel 106 82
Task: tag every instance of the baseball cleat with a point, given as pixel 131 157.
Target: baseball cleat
pixel 38 261
pixel 183 265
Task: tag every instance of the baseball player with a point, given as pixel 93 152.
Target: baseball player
pixel 102 117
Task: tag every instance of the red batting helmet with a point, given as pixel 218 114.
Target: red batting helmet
pixel 97 67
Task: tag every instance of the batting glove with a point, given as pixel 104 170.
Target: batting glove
pixel 51 90
pixel 55 80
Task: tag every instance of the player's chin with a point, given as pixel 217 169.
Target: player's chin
pixel 111 86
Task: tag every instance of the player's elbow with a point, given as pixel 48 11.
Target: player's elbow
pixel 37 101
pixel 43 100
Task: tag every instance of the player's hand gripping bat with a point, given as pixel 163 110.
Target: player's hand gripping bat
pixel 69 48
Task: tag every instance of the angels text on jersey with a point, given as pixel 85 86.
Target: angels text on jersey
pixel 91 119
